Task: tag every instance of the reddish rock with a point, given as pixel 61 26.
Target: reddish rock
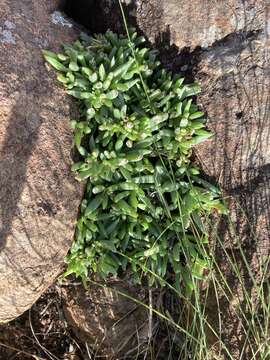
pixel 106 319
pixel 39 197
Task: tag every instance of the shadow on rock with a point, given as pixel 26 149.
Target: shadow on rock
pixel 20 139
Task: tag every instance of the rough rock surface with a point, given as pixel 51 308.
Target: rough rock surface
pixel 197 23
pixel 38 196
pixel 235 76
pixel 108 321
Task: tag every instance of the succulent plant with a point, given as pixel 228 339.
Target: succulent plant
pixel 144 201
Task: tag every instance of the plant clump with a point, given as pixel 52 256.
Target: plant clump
pixel 144 200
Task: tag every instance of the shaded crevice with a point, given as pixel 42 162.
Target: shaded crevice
pixel 94 16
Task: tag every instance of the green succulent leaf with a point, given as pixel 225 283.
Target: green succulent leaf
pixel 145 202
pixel 55 63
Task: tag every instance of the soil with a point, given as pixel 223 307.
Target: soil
pixel 41 333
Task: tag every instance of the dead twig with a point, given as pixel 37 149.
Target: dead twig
pixel 50 355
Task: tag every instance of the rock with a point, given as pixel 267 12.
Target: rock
pixel 235 80
pixel 189 24
pixel 196 23
pixel 235 77
pixel 39 197
pixel 108 321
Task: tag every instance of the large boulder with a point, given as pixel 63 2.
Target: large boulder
pixel 39 197
pixel 234 74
